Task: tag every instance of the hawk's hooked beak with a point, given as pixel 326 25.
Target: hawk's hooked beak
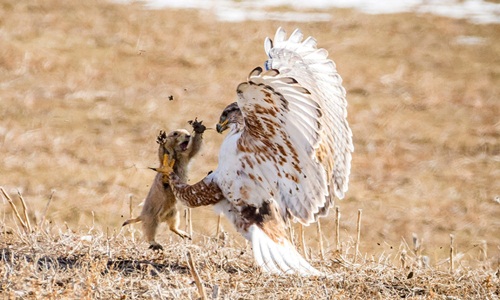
pixel 222 126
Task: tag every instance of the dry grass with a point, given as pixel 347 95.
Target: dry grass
pixel 91 264
pixel 84 90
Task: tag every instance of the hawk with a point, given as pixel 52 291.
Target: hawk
pixel 287 153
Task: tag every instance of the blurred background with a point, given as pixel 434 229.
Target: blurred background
pixel 85 88
pixel 477 11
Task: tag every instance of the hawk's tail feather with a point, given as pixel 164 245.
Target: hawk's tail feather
pixel 278 258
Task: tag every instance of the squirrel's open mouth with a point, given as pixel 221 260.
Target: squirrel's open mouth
pixel 184 145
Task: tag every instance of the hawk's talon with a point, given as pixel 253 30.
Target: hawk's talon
pixel 168 162
pixel 167 166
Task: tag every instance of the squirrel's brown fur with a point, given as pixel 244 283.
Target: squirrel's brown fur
pixel 160 203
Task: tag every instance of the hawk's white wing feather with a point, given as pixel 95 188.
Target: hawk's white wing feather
pixel 310 66
pixel 278 144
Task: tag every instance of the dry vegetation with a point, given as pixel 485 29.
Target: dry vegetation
pixel 96 265
pixel 85 88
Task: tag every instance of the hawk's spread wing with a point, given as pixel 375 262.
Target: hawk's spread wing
pixel 279 141
pixel 296 144
pixel 310 66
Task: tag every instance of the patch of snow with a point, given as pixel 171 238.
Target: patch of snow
pixel 477 11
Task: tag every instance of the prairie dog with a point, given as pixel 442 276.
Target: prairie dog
pixel 160 203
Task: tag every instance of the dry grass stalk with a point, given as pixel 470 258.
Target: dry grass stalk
pixel 186 220
pixel 417 249
pixel 190 224
pixel 16 212
pixel 108 248
pixel 25 211
pixel 196 276
pixel 219 226
pixel 130 207
pixel 416 244
pixel 452 250
pixel 40 224
pixel 483 250
pixel 131 228
pixel 358 235
pixel 320 241
pixel 337 228
pixel 403 259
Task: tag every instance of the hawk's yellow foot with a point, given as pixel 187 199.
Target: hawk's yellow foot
pixel 167 166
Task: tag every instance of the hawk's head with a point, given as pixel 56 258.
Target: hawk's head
pixel 230 117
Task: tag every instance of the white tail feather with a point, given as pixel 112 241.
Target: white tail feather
pixel 276 258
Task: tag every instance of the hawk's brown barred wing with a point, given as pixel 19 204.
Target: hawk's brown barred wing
pixel 282 130
pixel 312 68
pixel 206 192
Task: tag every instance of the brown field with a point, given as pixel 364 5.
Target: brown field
pixel 85 88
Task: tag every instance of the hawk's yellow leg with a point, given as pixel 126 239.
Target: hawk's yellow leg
pixel 167 166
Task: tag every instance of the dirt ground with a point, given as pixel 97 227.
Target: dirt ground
pixel 86 87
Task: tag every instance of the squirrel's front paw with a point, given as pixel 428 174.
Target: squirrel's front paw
pixel 161 138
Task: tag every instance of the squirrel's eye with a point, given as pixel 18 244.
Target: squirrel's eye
pixel 175 133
